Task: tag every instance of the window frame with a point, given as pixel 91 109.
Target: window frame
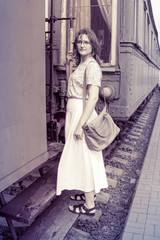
pixel 64 35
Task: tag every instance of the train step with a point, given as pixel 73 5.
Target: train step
pixel 54 222
pixel 26 206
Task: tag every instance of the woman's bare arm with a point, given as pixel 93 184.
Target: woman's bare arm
pixel 93 94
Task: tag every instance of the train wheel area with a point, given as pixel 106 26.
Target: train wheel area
pixel 123 160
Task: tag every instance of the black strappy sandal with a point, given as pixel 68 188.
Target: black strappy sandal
pixel 82 209
pixel 80 197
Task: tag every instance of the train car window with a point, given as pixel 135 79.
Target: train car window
pixel 148 28
pixel 96 14
pixel 101 23
pixel 145 30
pixel 154 49
pixel 151 44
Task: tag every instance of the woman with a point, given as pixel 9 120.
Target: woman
pixel 80 168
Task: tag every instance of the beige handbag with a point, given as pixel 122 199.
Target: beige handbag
pixel 101 131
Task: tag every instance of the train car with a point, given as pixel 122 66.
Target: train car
pixel 139 57
pixel 23 141
pixel 130 50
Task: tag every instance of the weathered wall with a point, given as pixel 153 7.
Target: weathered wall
pixel 23 144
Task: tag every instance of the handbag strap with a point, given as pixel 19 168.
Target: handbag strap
pixel 84 91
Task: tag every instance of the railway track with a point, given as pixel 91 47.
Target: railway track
pixel 123 162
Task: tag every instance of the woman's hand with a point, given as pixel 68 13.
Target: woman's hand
pixel 78 133
pixel 69 56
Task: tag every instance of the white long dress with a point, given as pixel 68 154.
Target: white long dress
pixel 80 168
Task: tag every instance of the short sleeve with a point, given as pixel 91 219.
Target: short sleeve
pixel 93 74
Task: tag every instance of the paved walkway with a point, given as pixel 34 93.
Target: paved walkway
pixel 144 218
